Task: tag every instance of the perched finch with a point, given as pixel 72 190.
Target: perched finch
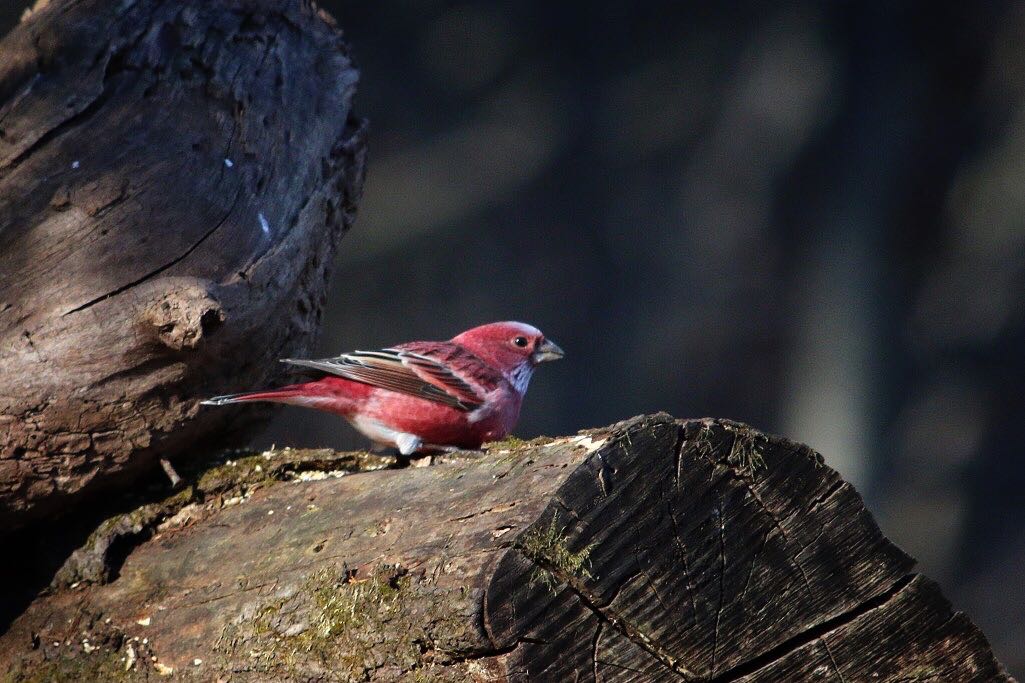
pixel 424 396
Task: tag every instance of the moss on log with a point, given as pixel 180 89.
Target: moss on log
pixel 654 549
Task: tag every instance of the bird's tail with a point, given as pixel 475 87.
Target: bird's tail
pixel 294 393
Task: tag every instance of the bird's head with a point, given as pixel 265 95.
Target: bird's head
pixel 509 346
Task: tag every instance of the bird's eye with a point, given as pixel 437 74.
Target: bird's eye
pixel 520 342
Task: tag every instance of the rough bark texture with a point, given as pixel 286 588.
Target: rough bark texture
pixel 174 179
pixel 654 549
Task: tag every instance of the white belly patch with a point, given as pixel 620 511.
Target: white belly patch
pixel 386 436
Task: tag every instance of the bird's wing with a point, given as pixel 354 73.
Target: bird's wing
pixel 417 369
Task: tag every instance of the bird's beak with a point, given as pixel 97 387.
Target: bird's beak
pixel 548 350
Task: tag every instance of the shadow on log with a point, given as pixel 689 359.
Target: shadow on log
pixel 174 179
pixel 652 550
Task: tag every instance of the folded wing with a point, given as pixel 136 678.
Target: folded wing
pixel 431 371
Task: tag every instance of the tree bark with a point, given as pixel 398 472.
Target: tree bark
pixel 654 549
pixel 174 179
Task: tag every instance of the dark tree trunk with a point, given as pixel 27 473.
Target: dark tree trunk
pixel 651 550
pixel 174 180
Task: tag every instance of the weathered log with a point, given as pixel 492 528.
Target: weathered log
pixel 174 179
pixel 651 550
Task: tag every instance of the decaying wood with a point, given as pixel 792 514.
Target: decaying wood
pixel 652 550
pixel 174 179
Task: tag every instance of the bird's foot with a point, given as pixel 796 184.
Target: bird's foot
pixel 169 470
pixel 408 444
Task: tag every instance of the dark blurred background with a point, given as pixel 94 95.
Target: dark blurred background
pixel 807 216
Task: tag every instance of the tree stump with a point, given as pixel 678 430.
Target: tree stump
pixel 654 549
pixel 174 180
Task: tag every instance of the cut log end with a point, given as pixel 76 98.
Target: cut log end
pixel 654 549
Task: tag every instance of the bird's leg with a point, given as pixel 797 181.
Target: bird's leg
pixel 432 451
pixel 170 472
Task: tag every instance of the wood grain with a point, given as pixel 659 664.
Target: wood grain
pixel 651 550
pixel 174 180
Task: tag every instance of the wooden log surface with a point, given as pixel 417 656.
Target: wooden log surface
pixel 651 550
pixel 174 180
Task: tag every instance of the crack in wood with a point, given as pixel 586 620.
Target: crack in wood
pixel 722 586
pixel 812 634
pixel 222 596
pixel 682 548
pixel 601 479
pixel 832 660
pixel 621 585
pixel 65 125
pixel 811 544
pixel 471 655
pixel 779 525
pixel 112 66
pixel 567 509
pixel 170 264
pixel 797 555
pixel 485 622
pixel 751 569
pixel 651 584
pixel 500 507
pixel 612 618
pixel 827 495
pixel 226 152
pixel 617 665
pixel 23 90
pixel 681 442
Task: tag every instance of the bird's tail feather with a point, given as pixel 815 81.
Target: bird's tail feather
pixel 281 395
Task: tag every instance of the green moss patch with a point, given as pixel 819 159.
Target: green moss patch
pixel 735 445
pixel 340 625
pixel 514 443
pixel 548 548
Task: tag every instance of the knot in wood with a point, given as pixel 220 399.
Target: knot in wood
pixel 184 316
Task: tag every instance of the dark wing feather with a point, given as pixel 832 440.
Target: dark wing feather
pixel 404 371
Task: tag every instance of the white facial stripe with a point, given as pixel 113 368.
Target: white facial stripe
pixel 520 376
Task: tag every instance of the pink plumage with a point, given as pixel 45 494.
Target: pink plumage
pixel 424 396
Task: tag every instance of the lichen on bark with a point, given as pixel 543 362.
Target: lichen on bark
pixel 379 623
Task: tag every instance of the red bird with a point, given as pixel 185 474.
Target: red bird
pixel 424 396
